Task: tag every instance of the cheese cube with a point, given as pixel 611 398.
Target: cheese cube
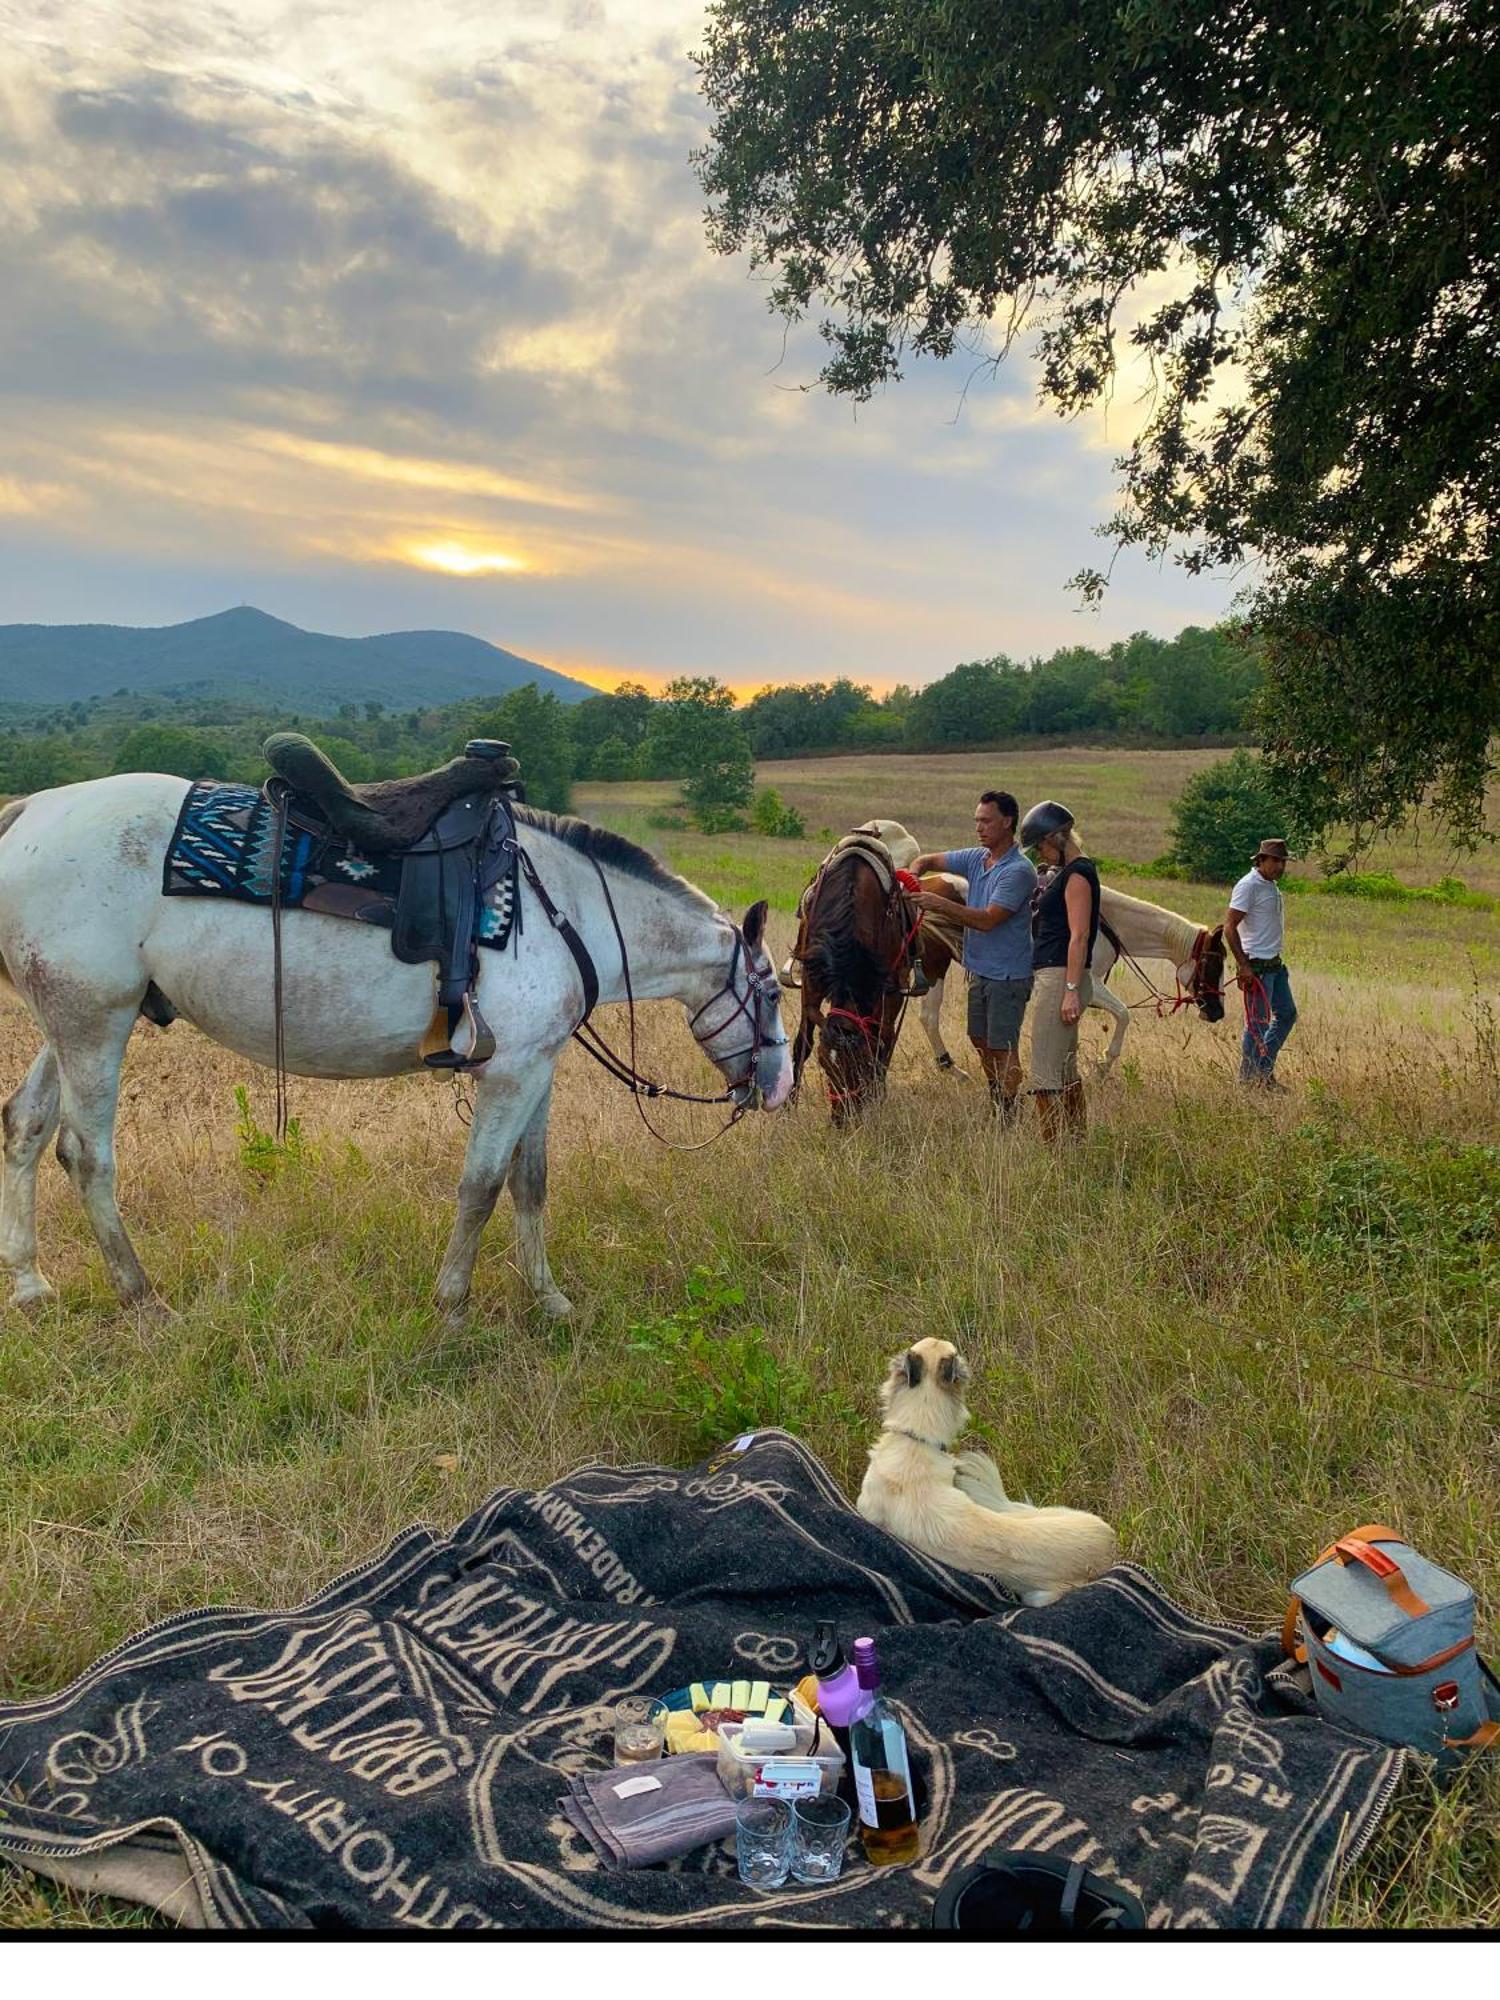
pixel 760 1694
pixel 740 1697
pixel 698 1697
pixel 775 1708
pixel 720 1698
pixel 682 1728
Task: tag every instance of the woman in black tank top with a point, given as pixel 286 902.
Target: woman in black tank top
pixel 1064 926
pixel 1050 927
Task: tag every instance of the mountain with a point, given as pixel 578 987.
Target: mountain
pixel 249 656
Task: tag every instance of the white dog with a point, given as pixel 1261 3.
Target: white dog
pixel 954 1507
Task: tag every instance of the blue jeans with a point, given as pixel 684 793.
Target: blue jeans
pixel 1263 1039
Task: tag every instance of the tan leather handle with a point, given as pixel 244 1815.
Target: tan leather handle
pixel 1361 1547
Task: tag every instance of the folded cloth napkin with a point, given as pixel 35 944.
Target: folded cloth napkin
pixel 643 1813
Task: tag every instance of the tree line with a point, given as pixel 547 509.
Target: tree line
pixel 1199 685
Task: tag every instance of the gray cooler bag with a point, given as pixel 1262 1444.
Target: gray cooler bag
pixel 1388 1638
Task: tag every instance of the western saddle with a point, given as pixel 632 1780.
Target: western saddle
pixel 451 834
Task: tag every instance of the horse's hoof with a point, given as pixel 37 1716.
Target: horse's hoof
pixel 151 1309
pixel 32 1293
pixel 556 1304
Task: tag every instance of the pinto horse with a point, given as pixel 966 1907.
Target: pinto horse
pixel 853 947
pixel 1130 929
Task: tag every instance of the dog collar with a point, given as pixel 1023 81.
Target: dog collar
pixel 917 1438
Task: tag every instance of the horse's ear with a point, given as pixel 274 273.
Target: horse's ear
pixel 754 925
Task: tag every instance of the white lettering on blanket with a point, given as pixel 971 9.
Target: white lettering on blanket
pixel 325 1670
pixel 534 1644
pixel 590 1547
pixel 367 1856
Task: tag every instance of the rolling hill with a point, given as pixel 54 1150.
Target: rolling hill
pixel 247 655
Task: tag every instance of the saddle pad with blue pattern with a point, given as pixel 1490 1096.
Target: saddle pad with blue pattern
pixel 224 844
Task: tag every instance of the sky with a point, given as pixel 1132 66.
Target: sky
pixel 383 316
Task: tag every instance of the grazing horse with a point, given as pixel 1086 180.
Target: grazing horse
pixel 1128 928
pixel 853 948
pixel 88 940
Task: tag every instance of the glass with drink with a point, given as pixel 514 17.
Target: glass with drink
pixel 640 1730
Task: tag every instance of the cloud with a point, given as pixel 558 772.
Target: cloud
pixel 333 292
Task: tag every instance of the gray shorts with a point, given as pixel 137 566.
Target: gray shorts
pixel 997 1008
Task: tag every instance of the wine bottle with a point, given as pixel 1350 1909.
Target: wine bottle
pixel 882 1773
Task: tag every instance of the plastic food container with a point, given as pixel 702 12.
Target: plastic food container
pixel 811 1768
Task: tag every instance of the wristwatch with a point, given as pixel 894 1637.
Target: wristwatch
pixel 1069 987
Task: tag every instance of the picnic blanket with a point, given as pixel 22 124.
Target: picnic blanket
pixel 393 1753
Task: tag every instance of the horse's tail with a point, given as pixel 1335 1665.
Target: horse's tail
pixel 9 814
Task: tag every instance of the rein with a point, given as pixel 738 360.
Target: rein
pixel 625 1070
pixel 1186 996
pixel 870 1025
pixel 1257 1011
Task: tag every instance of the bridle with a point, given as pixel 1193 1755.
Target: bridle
pixel 871 1026
pixel 761 987
pixel 1190 995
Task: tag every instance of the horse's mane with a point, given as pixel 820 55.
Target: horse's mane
pixel 613 850
pixel 1140 907
pixel 845 968
pixel 1145 927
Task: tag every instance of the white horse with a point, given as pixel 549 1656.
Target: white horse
pixel 1144 930
pixel 85 930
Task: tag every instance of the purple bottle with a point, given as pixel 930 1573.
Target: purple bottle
pixel 840 1696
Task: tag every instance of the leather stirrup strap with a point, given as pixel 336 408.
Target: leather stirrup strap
pixel 281 805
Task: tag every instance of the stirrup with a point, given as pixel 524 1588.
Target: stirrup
pixel 437 1050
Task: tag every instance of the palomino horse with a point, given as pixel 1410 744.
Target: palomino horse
pixel 85 931
pixel 852 948
pixel 1128 928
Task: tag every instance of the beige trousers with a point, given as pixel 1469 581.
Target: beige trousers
pixel 1054 1045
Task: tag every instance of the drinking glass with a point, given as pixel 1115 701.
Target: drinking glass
pixel 763 1841
pixel 820 1828
pixel 640 1730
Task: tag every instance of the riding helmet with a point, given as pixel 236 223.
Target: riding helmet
pixel 1048 817
pixel 1008 1893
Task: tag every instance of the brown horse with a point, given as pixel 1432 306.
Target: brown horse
pixel 854 946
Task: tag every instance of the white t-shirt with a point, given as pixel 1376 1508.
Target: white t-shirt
pixel 1264 927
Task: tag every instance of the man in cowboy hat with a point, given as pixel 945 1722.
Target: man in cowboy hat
pixel 1255 930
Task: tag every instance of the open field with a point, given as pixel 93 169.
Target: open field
pixel 1121 799
pixel 1235 1327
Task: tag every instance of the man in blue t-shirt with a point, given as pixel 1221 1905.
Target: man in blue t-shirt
pixel 996 920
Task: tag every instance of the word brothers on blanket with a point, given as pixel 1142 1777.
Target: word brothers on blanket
pixel 394 1753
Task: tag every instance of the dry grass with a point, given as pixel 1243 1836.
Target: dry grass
pixel 1121 799
pixel 1192 1323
